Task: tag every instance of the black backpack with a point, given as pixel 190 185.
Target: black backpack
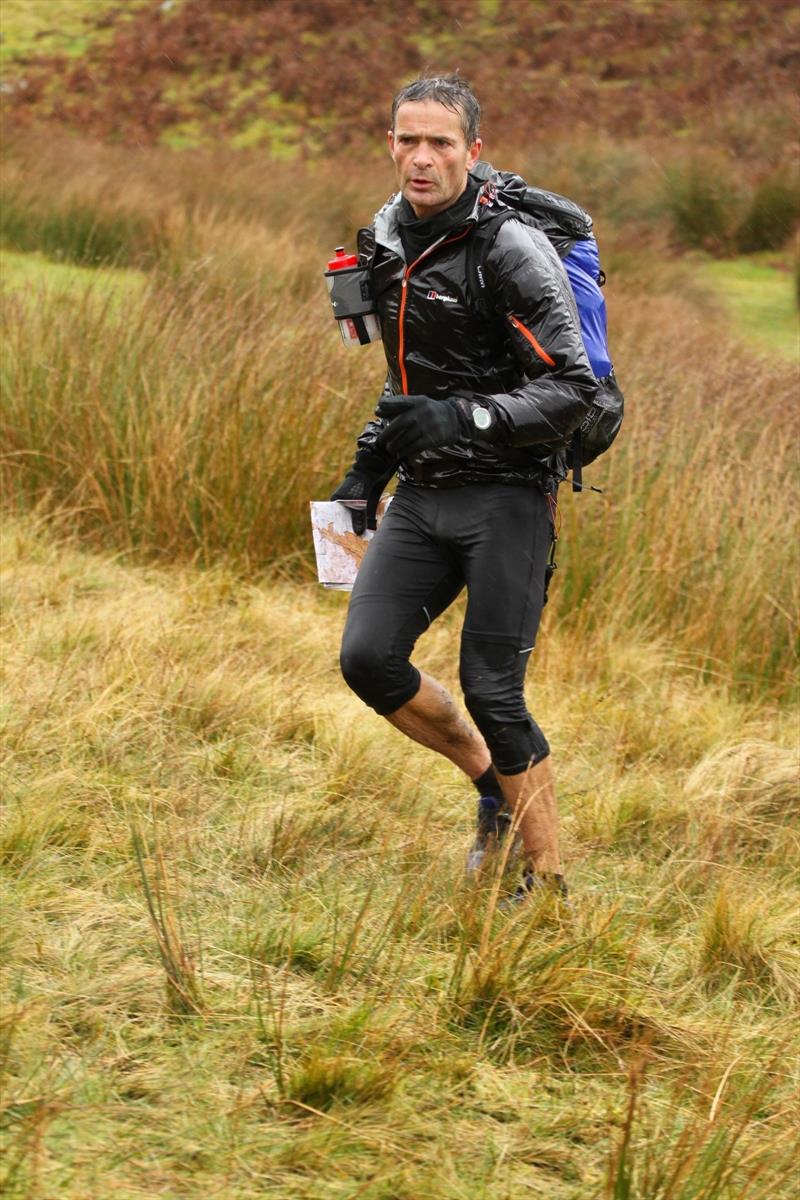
pixel 569 230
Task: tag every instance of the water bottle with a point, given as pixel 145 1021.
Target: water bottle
pixel 351 298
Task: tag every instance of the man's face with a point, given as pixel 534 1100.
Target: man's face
pixel 430 155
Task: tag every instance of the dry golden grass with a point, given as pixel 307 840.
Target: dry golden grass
pixel 194 420
pixel 240 958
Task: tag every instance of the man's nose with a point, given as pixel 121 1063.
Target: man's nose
pixel 422 155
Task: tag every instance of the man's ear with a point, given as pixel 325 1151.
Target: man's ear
pixel 390 139
pixel 474 153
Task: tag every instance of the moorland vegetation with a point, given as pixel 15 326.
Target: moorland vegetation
pixel 241 959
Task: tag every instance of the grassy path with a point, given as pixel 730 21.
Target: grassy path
pixel 758 293
pixel 32 274
pixel 240 959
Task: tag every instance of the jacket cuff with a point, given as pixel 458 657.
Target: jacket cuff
pixel 372 464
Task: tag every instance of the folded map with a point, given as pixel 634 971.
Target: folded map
pixel 339 551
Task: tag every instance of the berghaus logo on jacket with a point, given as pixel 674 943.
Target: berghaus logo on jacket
pixel 433 295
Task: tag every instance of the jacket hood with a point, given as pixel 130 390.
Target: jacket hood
pixel 556 215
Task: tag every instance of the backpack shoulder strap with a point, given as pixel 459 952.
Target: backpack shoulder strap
pixel 478 246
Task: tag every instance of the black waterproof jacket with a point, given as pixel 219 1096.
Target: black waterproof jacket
pixel 521 354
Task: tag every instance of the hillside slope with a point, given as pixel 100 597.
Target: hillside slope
pixel 288 73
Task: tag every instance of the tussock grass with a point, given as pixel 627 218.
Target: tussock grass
pixel 243 960
pixel 281 985
pixel 662 1155
pixel 773 213
pixel 230 210
pixel 195 419
pixel 741 945
pixel 695 434
pixel 183 992
pixel 703 203
pixel 746 801
pixel 185 455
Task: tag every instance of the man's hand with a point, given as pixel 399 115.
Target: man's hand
pixel 353 492
pixel 419 423
pixel 361 489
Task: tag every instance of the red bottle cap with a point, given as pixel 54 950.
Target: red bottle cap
pixel 342 260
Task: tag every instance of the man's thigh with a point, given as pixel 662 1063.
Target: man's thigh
pixel 408 577
pixel 504 549
pixel 505 556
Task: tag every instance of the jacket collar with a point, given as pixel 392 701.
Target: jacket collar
pixel 387 225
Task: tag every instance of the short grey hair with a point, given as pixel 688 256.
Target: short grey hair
pixel 450 90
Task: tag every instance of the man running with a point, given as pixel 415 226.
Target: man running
pixel 476 418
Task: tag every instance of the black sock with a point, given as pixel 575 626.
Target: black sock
pixel 488 784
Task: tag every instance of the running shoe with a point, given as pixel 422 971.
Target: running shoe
pixel 494 824
pixel 531 884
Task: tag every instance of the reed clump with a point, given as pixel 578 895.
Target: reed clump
pixel 239 897
pixel 196 419
pixel 282 984
pixel 240 957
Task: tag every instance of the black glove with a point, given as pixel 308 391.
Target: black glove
pixel 419 423
pixel 361 489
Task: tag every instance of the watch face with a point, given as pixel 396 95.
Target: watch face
pixel 481 418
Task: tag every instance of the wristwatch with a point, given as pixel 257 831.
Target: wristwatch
pixel 481 418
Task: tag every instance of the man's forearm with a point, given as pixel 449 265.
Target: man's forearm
pixel 543 412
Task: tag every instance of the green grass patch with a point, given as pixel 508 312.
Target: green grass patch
pixel 759 294
pixel 33 273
